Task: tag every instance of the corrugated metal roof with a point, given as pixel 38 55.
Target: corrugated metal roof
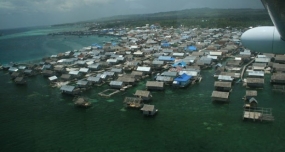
pixel 192 73
pixel 215 53
pixel 158 62
pixel 212 57
pixel 109 73
pixel 83 70
pixel 116 70
pixel 225 77
pixel 112 60
pixel 67 88
pixel 178 54
pixel 256 73
pixel 74 72
pixel 183 77
pixel 163 78
pixel 94 79
pixel 103 76
pixel 116 83
pixel 171 74
pixel 262 60
pixel 93 66
pixel 13 69
pixel 52 78
pixel 144 69
pixel 166 58
pixel 82 82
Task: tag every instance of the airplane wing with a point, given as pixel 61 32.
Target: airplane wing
pixel 268 39
pixel 276 11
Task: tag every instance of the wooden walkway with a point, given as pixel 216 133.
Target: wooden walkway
pixel 258 113
pixel 111 92
pixel 244 67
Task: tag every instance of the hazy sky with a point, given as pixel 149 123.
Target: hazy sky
pixel 23 13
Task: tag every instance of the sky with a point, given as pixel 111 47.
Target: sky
pixel 26 13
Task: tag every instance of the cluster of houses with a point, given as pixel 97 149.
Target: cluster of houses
pixel 252 111
pixel 166 56
pixel 266 63
pixel 177 55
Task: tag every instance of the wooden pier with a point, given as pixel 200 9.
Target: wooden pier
pixel 108 92
pixel 244 67
pixel 279 88
pixel 258 113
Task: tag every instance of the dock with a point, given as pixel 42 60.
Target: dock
pixel 258 113
pixel 279 88
pixel 244 67
pixel 108 92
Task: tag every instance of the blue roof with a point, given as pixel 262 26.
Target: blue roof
pixel 166 58
pixel 183 77
pixel 190 48
pixel 165 44
pixel 181 63
pixel 97 45
pixel 185 37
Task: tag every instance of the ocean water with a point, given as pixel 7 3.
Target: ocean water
pixel 33 43
pixel 37 117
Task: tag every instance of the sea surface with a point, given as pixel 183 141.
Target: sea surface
pixel 37 117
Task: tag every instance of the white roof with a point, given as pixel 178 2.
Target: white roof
pixel 261 56
pixel 225 77
pixel 238 58
pixel 178 54
pixel 215 53
pixel 192 73
pixel 245 53
pixel 212 57
pixel 134 47
pixel 256 73
pixel 89 63
pixel 74 72
pixel 262 60
pixel 83 70
pixel 144 69
pixel 234 69
pixel 138 52
pixel 52 78
pixel 112 60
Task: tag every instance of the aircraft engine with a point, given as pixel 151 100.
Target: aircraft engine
pixel 265 39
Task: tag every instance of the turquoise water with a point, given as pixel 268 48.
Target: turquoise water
pixel 37 117
pixel 33 44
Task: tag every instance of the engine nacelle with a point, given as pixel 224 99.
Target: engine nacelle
pixel 265 39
